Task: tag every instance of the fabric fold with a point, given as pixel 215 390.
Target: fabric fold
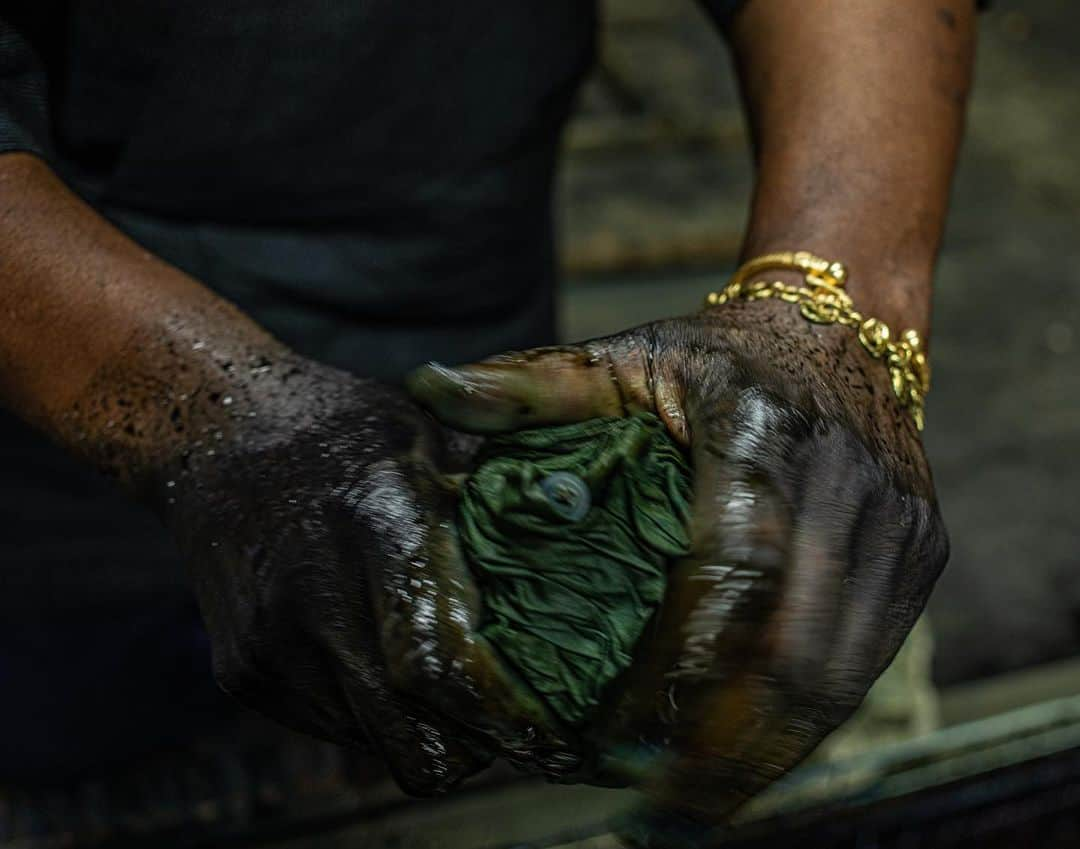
pixel 571 573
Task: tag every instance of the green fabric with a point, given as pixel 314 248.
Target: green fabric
pixel 565 600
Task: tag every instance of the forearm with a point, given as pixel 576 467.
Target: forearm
pixel 108 349
pixel 857 111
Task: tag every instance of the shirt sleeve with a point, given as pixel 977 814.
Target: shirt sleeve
pixel 24 112
pixel 722 11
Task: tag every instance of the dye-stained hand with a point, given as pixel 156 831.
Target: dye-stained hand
pixel 816 538
pixel 316 514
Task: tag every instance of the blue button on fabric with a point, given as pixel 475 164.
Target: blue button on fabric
pixel 568 495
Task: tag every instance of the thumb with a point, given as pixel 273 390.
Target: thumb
pixel 542 386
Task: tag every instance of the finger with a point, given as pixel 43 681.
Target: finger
pixel 300 690
pixel 833 480
pixel 544 386
pixel 822 657
pixel 426 755
pixel 422 756
pixel 710 628
pixel 317 677
pixel 735 740
pixel 900 549
pixel 435 653
pixel 428 610
pixel 264 655
pixel 718 598
pixel 727 751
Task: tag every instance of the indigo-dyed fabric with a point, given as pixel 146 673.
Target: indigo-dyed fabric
pixel 566 600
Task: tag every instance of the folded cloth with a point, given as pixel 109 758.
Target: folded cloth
pixel 569 532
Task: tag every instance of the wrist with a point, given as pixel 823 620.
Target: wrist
pixel 174 399
pixel 274 403
pixel 895 292
pixel 822 298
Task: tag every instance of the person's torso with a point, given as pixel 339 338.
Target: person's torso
pixel 369 172
pixel 312 110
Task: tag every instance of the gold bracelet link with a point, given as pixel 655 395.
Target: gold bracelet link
pixel 823 301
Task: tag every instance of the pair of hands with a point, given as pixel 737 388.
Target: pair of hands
pixel 324 557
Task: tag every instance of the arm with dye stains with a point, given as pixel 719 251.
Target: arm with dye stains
pixel 111 351
pixel 314 509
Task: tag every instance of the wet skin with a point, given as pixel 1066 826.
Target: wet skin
pixel 324 555
pixel 315 508
pixel 816 534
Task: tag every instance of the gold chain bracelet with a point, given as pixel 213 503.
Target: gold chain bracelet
pixel 823 301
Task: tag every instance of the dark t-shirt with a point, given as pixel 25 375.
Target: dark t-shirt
pixel 369 179
pixel 371 169
pixel 353 172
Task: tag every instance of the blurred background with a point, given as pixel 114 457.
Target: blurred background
pixel 652 199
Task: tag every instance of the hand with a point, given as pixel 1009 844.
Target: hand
pixel 816 535
pixel 315 512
